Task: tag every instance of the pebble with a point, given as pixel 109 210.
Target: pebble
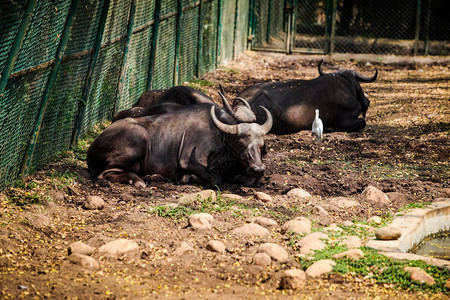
pixel 388 233
pixel 93 202
pixel 298 193
pixel 312 241
pixel 251 229
pixel 420 275
pixel 84 261
pixel 375 219
pixel 374 195
pixel 262 259
pixel 293 279
pixel 263 197
pixel 80 248
pixel 184 247
pixel 354 254
pixel 344 203
pixel 321 211
pixel 352 241
pixel 320 267
pixel 216 246
pixel 275 251
pixel 200 221
pixel 297 226
pixel 118 247
pixel 263 221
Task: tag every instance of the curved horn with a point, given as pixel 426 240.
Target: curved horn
pixel 225 102
pixel 321 73
pixel 245 102
pixel 230 129
pixel 362 78
pixel 269 121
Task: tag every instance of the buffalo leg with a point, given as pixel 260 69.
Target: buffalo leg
pixel 121 176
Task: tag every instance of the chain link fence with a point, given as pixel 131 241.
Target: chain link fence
pixel 67 65
pixel 405 27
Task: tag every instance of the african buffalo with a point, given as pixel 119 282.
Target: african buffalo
pixel 148 103
pixel 292 103
pixel 190 144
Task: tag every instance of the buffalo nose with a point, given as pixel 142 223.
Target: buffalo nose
pixel 257 170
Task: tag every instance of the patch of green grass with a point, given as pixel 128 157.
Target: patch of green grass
pixel 200 82
pixel 414 205
pixel 23 193
pixel 230 70
pixel 62 179
pixel 173 213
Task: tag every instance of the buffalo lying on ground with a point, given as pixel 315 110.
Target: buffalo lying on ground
pixel 200 143
pixel 292 103
pixel 148 101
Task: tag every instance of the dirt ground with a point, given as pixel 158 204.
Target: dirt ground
pixel 404 149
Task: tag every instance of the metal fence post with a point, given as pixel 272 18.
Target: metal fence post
pixel 125 56
pixel 333 27
pixel 176 64
pixel 90 74
pixel 219 31
pixel 236 12
pixel 153 45
pixel 48 89
pixel 17 44
pixel 416 39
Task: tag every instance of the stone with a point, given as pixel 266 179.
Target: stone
pixel 374 195
pixel 232 197
pixel 320 210
pixel 263 197
pixel 298 193
pixel 352 241
pixel 58 196
pixel 263 221
pixel 320 268
pixel 184 247
pixel 275 251
pixel 126 197
pixel 447 284
pixel 293 279
pixel 80 248
pixel 118 247
pixel 333 227
pixel 444 193
pixel 348 223
pixel 204 195
pixel 312 241
pixel 296 226
pixel 216 246
pixel 398 198
pixel 200 221
pixel 420 275
pixel 344 203
pixel 93 202
pixel 388 233
pixel 84 261
pixel 262 259
pixel 375 219
pixel 354 254
pixel 251 229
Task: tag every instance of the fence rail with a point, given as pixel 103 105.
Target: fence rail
pixel 67 65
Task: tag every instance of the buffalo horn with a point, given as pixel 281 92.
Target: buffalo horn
pixel 268 124
pixel 244 102
pixel 358 76
pixel 230 129
pixel 225 101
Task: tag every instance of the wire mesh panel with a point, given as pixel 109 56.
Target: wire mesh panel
pixel 310 24
pixel 188 43
pixel 242 12
pixel 227 24
pixel 209 35
pixel 269 24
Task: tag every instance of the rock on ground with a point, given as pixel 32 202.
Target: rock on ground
pixel 420 275
pixel 200 196
pixel 216 246
pixel 312 242
pixel 263 197
pixel 320 267
pixel 263 221
pixel 93 202
pixel 84 261
pixel 184 247
pixel 352 241
pixel 297 226
pixel 80 248
pixel 251 229
pixel 354 254
pixel 118 247
pixel 200 221
pixel 275 251
pixel 262 259
pixel 374 195
pixel 293 279
pixel 298 193
pixel 388 233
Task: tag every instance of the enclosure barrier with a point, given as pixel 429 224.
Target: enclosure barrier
pixel 403 27
pixel 68 65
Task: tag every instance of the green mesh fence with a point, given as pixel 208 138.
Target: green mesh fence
pixel 110 52
pixel 405 27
